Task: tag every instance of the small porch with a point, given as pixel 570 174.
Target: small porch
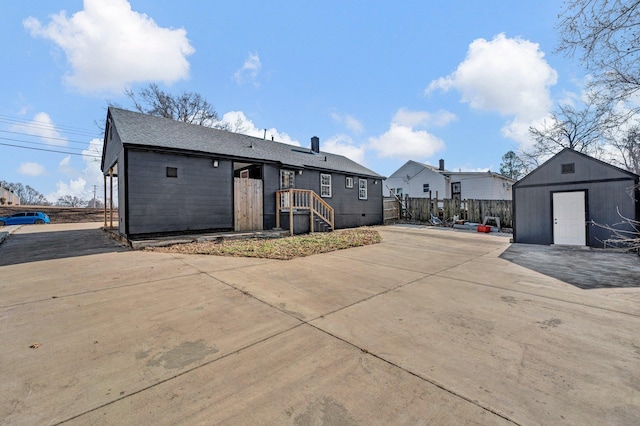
pixel 294 205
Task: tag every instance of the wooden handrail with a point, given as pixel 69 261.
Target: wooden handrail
pixel 303 199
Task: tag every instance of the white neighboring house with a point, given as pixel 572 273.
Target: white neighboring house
pixel 9 197
pixel 418 180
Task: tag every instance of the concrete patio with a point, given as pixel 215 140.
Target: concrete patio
pixel 428 327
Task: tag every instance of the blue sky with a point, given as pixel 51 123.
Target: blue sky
pixel 381 82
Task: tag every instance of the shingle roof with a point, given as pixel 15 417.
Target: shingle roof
pixel 136 129
pixel 447 172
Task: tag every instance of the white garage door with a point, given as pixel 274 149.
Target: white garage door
pixel 569 218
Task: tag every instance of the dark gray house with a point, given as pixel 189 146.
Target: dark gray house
pixel 559 202
pixel 174 177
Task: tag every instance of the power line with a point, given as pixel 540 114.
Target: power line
pixel 39 143
pixel 45 137
pixel 7 119
pixel 50 150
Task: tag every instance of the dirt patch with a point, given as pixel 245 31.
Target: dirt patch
pixel 62 214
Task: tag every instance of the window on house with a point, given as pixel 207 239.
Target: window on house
pixel 325 185
pixel 456 191
pixel 425 187
pixel 172 172
pixel 287 179
pixel 348 182
pixel 568 168
pixel 362 189
pixel 398 191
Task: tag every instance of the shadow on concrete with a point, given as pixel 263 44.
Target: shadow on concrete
pixel 37 246
pixel 582 267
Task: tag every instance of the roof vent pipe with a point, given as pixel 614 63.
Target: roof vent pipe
pixel 441 165
pixel 315 144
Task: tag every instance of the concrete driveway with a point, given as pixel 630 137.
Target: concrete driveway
pixel 428 327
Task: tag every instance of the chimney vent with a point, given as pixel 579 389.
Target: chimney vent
pixel 441 165
pixel 315 144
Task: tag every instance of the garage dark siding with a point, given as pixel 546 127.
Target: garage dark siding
pixel 199 198
pixel 606 192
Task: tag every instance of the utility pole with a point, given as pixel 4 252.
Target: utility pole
pixel 93 202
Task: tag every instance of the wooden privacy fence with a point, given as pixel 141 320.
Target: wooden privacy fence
pixel 421 209
pixel 392 209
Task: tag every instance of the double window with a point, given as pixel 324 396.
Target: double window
pixel 287 179
pixel 325 185
pixel 362 189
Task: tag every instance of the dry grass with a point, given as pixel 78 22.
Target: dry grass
pixel 280 248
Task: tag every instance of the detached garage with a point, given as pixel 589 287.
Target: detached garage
pixel 560 201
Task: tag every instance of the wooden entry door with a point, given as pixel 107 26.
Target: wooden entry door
pixel 247 194
pixel 569 226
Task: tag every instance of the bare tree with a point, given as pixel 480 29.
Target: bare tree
pixel 629 149
pixel 94 203
pixel 579 129
pixel 188 107
pixel 626 233
pixel 605 36
pixel 239 126
pixel 71 201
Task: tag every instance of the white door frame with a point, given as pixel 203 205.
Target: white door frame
pixel 569 217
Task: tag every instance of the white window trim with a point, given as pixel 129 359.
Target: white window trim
pixel 348 183
pixel 293 178
pixel 362 187
pixel 325 186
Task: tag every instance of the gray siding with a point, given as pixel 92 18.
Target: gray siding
pixel 532 216
pixel 271 184
pixel 606 191
pixel 200 198
pixel 112 148
pixel 586 169
pixel 122 192
pixel 349 211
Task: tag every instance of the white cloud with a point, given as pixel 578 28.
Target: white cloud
pixel 241 124
pixel 31 169
pixel 353 124
pixel 82 185
pixel 344 145
pixel 43 127
pixel 518 130
pixel 507 75
pixel 110 46
pixel 249 70
pixel 75 188
pixel 403 141
pixel 408 118
pixel 64 166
